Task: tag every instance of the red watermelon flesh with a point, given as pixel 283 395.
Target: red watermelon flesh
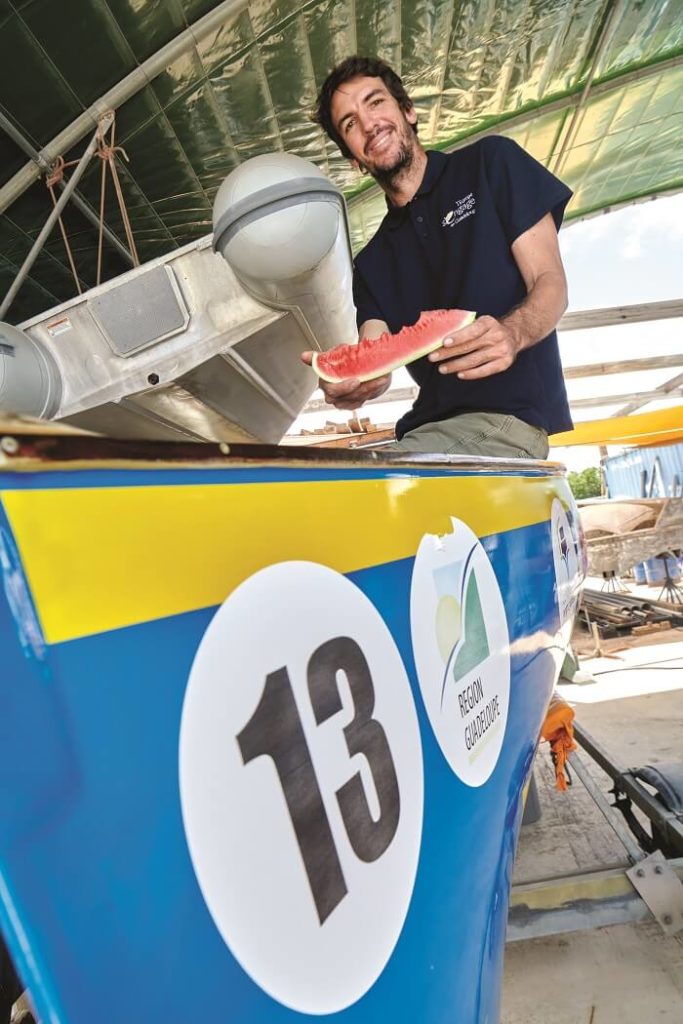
pixel 373 357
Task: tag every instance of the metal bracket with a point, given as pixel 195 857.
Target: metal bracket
pixel 662 890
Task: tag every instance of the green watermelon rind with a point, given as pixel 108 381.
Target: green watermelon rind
pixel 394 364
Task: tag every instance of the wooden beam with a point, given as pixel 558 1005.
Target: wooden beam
pixel 583 319
pixel 670 387
pixel 623 366
pixel 636 398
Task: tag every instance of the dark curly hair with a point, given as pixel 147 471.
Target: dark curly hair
pixel 357 67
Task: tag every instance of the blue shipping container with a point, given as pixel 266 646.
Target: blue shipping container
pixel 646 473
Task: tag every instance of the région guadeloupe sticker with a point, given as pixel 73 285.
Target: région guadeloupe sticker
pixel 461 648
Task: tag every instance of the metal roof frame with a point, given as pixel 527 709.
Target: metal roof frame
pixel 593 88
pixel 114 97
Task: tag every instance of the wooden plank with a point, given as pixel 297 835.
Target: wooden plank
pixel 641 312
pixel 623 366
pixel 635 398
pixel 669 388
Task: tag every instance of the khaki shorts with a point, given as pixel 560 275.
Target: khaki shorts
pixel 476 433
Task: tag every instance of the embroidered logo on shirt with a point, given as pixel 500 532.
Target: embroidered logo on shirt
pixel 464 207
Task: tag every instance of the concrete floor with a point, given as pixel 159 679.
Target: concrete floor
pixel 622 974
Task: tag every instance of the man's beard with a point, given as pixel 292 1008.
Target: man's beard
pixel 404 159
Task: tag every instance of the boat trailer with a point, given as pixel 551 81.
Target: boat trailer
pixel 647 883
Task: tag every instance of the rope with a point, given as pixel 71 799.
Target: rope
pixel 107 152
pixel 100 233
pixel 53 178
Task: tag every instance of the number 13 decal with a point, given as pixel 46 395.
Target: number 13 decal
pixel 301 783
pixel 275 730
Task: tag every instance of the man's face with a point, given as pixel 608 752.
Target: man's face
pixel 375 129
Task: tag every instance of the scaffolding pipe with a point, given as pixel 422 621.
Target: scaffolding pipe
pixel 603 41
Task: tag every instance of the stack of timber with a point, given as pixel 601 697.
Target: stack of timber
pixel 620 614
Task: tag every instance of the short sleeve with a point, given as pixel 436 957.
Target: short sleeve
pixel 522 189
pixel 366 306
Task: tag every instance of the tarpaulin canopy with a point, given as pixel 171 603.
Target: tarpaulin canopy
pixel 593 89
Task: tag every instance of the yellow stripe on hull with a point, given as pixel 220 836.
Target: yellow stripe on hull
pixel 103 558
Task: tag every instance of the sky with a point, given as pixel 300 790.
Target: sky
pixel 631 255
pixel 627 256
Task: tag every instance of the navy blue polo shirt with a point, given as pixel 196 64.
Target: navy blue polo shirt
pixel 450 248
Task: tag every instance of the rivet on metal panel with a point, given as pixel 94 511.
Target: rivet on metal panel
pixel 658 870
pixel 667 919
pixel 153 378
pixel 640 873
pixel 9 445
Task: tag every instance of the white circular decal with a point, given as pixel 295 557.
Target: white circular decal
pixel 461 648
pixel 566 562
pixel 301 784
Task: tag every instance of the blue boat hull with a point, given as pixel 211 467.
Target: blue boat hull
pixel 266 733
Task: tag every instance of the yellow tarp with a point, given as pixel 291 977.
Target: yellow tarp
pixel 641 429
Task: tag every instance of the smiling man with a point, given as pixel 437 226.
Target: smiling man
pixel 475 229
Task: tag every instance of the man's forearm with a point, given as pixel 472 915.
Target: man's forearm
pixel 491 345
pixel 540 312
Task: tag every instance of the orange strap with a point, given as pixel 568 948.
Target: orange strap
pixel 559 732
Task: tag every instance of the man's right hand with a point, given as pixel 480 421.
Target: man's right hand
pixel 350 394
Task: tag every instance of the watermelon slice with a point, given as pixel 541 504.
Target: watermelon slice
pixel 373 357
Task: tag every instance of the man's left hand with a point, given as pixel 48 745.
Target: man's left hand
pixel 481 349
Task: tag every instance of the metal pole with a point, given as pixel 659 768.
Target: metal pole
pixel 224 13
pixel 603 40
pixel 77 200
pixel 22 273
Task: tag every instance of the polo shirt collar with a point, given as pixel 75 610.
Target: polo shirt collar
pixel 436 164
